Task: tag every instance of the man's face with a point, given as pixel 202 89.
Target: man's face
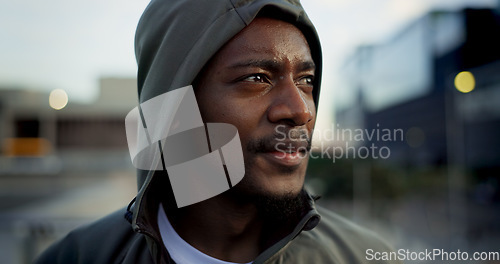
pixel 261 82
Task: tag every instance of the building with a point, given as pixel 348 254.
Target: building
pixel 407 83
pixel 31 131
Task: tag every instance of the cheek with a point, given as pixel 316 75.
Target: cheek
pixel 312 107
pixel 246 120
pixel 310 125
pixel 211 109
pixel 226 110
pixel 218 111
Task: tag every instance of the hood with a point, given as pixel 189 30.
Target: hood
pixel 176 38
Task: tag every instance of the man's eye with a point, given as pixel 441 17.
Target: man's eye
pixel 258 78
pixel 307 80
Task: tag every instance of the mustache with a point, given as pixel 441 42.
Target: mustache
pixel 297 139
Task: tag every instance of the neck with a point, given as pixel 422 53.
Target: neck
pixel 222 228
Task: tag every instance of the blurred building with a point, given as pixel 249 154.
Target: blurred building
pixel 407 83
pixel 34 133
pixel 63 168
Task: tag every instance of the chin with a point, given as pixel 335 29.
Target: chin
pixel 269 186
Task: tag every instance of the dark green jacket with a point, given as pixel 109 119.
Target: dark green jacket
pixel 320 237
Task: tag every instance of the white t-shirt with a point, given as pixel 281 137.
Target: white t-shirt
pixel 181 251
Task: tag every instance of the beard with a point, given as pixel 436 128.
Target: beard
pixel 275 207
pixel 280 208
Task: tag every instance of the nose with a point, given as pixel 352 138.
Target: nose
pixel 290 105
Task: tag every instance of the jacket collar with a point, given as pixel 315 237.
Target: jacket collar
pixel 143 220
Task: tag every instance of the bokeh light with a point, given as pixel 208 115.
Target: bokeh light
pixel 465 82
pixel 58 99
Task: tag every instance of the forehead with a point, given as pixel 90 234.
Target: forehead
pixel 266 37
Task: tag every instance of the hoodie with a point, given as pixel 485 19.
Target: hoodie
pixel 174 40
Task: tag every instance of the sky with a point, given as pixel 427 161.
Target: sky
pixel 61 44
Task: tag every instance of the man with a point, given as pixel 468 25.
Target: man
pixel 255 65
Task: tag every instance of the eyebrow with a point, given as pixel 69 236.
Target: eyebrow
pixel 271 65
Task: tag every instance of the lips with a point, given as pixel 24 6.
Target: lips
pixel 284 153
pixel 287 159
pixel 288 153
